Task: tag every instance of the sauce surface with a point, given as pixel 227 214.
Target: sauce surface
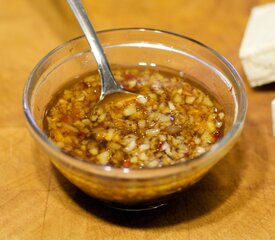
pixel 172 120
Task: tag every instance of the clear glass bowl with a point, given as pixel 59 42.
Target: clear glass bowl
pixel 136 189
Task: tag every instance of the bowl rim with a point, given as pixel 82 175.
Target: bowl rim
pixel 125 172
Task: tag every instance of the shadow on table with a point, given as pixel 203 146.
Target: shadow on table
pixel 243 168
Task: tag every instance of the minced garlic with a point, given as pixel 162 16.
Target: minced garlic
pixel 169 122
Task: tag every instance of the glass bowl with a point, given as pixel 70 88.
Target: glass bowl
pixel 136 189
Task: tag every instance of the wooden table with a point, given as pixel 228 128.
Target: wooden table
pixel 236 200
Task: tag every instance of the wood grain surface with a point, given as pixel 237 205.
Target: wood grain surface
pixel 236 200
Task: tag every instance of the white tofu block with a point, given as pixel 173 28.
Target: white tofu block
pixel 257 52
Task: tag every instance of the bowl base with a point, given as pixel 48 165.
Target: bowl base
pixel 134 208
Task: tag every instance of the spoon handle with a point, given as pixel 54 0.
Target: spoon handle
pixel 108 82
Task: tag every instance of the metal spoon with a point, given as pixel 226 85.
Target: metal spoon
pixel 109 85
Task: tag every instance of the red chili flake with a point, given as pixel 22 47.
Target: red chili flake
pixel 81 135
pixel 86 85
pixel 126 163
pixel 159 146
pixel 65 134
pixel 75 114
pixel 129 76
pixel 64 118
pixel 190 143
pixel 111 162
pixel 187 154
pixel 204 116
pixel 216 135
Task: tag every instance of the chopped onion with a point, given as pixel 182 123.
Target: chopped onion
pixel 129 110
